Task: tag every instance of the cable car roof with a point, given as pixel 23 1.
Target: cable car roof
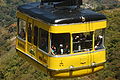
pixel 63 15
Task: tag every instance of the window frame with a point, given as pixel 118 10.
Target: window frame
pixel 52 42
pixel 31 32
pixel 39 40
pixel 19 27
pixel 37 36
pixel 83 50
pixel 103 39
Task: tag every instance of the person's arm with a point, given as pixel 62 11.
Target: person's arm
pixel 51 52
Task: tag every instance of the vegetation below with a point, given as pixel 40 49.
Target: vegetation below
pixel 12 67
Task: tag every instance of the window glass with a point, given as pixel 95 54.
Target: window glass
pixel 30 32
pixel 82 42
pixel 43 41
pixel 60 44
pixel 21 29
pixel 35 35
pixel 99 39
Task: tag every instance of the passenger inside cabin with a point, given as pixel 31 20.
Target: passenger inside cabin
pixel 98 42
pixel 53 50
pixel 66 49
pixel 81 36
pixel 78 42
pixel 43 40
pixel 89 37
pixel 43 43
pixel 76 38
pixel 82 42
pixel 61 49
pixel 22 33
pixel 61 42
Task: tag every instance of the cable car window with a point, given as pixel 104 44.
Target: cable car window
pixel 60 44
pixel 99 39
pixel 35 35
pixel 21 29
pixel 43 41
pixel 82 42
pixel 30 32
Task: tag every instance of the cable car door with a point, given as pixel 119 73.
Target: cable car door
pixel 89 29
pixel 31 46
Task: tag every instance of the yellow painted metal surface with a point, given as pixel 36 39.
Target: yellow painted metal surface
pixel 31 50
pixel 78 28
pixel 56 65
pixel 20 44
pixel 42 58
pixel 21 15
pixel 67 62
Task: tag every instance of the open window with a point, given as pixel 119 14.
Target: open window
pixel 99 39
pixel 82 42
pixel 43 40
pixel 22 29
pixel 60 43
pixel 30 32
pixel 35 35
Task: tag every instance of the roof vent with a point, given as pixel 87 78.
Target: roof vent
pixel 62 3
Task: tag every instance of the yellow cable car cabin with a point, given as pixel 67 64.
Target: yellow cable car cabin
pixel 61 39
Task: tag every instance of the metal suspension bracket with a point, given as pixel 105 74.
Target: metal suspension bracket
pixel 61 3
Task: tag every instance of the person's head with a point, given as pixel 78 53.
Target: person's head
pixel 53 46
pixel 100 36
pixel 66 45
pixel 81 34
pixel 77 37
pixel 61 45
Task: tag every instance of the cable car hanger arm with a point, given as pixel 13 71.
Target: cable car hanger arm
pixel 64 2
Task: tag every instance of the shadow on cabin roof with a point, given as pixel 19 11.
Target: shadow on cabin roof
pixel 65 15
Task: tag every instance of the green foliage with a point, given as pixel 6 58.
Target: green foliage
pixel 103 4
pixel 8 10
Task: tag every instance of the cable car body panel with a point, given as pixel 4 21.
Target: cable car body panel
pixel 67 65
pixel 65 28
pixel 73 65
